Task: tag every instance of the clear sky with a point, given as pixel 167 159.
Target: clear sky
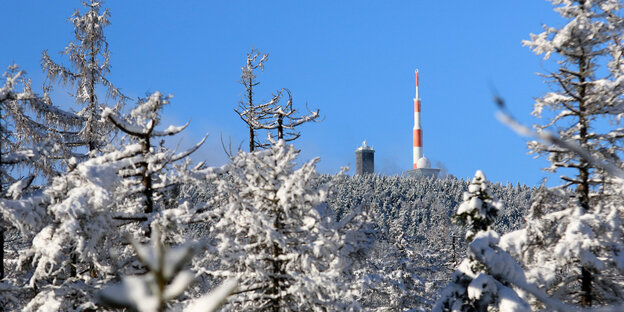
pixel 353 60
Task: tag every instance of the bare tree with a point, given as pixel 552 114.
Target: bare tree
pixel 271 115
pixel 248 110
pixel 283 119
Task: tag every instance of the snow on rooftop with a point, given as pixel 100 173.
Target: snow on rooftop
pixel 364 147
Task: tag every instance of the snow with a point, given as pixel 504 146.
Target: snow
pixel 171 130
pixel 269 205
pixel 485 248
pixel 102 176
pixel 175 258
pixel 213 300
pixel 45 301
pixel 480 279
pixel 133 292
pixel 510 301
pixel 178 285
pixel 481 288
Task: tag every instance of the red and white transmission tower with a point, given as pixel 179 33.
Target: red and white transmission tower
pixel 420 161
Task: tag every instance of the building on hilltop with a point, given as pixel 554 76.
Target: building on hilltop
pixel 422 165
pixel 364 159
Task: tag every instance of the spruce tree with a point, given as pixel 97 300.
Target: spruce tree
pixel 475 286
pixel 274 234
pixel 31 150
pixel 567 249
pixel 77 224
pixel 150 179
pixel 90 63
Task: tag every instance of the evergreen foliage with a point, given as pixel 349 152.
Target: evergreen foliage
pixel 165 280
pixel 125 221
pixel 473 287
pixel 31 136
pixel 90 63
pixel 275 236
pixel 570 245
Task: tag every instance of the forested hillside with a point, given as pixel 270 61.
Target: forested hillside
pixel 414 206
pixel 418 245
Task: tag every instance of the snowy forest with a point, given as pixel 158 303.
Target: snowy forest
pixel 99 213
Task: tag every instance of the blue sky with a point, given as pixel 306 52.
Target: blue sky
pixel 353 60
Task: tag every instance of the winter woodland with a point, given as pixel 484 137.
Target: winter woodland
pixel 97 213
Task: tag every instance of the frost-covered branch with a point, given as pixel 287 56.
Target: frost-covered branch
pixel 89 57
pixel 165 280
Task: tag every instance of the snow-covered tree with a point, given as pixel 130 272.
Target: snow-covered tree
pixel 167 278
pixel 559 236
pixel 78 222
pixel 567 249
pixel 416 246
pixel 274 234
pixel 31 133
pixel 150 181
pixel 32 129
pixel 90 63
pixel 283 118
pixel 473 287
pixel 478 210
pixel 272 116
pixel 249 110
pixel 397 275
pixel 72 231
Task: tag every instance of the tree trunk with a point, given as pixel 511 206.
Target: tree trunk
pixel 146 181
pixel 251 114
pixel 280 127
pixel 1 253
pixel 586 288
pixel 73 272
pixel 583 188
pixel 251 139
pixel 92 144
pixel 274 291
pixel 278 276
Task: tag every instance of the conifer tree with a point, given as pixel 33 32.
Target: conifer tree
pixel 31 135
pixel 166 279
pixel 283 119
pixel 70 225
pixel 472 286
pixel 90 63
pixel 566 250
pixel 150 181
pixel 78 221
pixel 274 235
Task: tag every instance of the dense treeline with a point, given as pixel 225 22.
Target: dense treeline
pixel 418 245
pixel 414 205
